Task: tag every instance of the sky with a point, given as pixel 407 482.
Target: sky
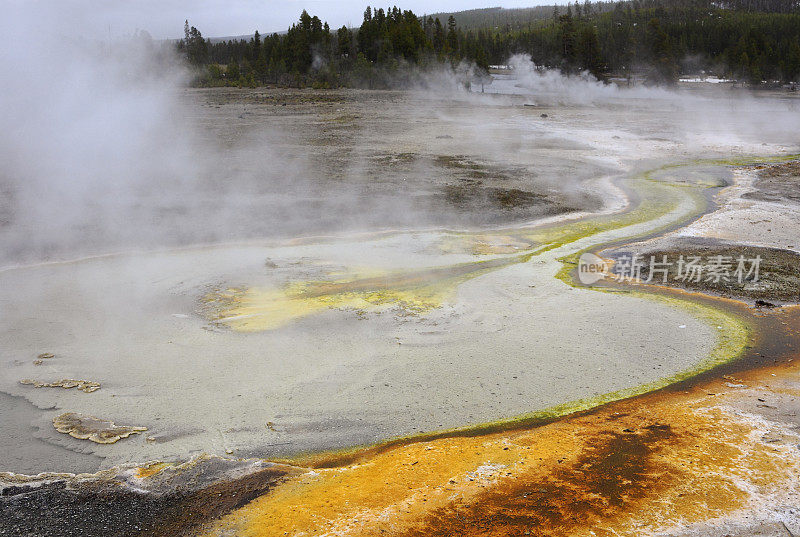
pixel 218 18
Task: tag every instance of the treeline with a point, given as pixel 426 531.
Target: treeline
pixel 661 39
pixel 751 40
pixel 310 53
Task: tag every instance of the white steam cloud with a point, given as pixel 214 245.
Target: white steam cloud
pixel 552 86
pixel 104 149
pixel 85 126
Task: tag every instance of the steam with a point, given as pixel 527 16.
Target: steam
pixel 318 61
pixel 86 126
pixel 708 119
pixel 552 86
pixel 582 88
pixel 104 149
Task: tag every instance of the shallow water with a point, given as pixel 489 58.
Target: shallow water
pixel 357 365
pixel 24 453
pixel 504 339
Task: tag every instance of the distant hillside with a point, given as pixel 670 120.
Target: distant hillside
pixel 223 39
pixel 492 17
pixel 519 18
pixel 510 19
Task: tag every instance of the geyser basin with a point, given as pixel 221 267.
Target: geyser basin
pixel 491 346
pixel 508 342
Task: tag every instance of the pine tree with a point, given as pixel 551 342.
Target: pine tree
pixel 452 36
pixel 344 37
pixel 589 51
pixel 438 36
pixel 665 69
pixel 232 71
pixel 194 45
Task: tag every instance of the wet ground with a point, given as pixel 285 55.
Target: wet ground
pixel 777 183
pixel 38 456
pixel 777 281
pixel 464 335
pixel 157 500
pixel 148 329
pixel 278 163
pixel 739 251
